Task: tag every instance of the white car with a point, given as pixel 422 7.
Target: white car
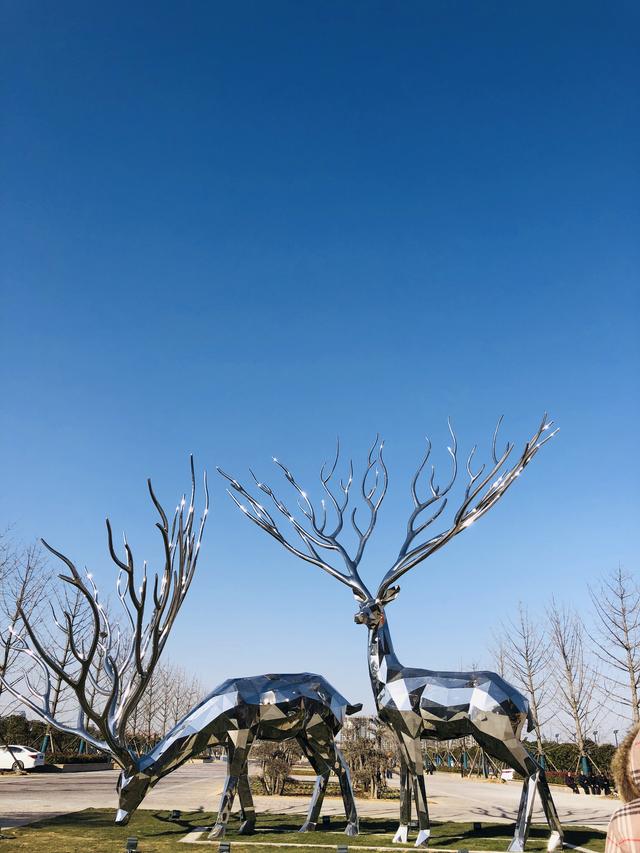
pixel 14 757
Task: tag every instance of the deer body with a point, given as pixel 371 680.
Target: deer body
pixel 441 705
pixel 271 707
pixel 416 703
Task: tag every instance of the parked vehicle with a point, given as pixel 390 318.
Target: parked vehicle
pixel 15 757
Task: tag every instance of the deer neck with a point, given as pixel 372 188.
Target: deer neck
pixel 154 763
pixel 383 662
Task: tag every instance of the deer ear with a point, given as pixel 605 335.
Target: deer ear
pixel 390 594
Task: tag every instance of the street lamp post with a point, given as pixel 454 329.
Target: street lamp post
pixel 595 738
pixel 615 734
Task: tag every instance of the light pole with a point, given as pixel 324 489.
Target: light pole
pixel 595 738
pixel 557 738
pixel 615 734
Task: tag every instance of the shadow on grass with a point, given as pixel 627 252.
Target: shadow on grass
pixel 143 822
pixel 98 825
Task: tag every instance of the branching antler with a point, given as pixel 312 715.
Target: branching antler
pixel 479 497
pixel 483 489
pixel 316 539
pixel 97 667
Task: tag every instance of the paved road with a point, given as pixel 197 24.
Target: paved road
pixel 27 798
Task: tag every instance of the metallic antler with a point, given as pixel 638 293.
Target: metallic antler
pixel 313 533
pixel 479 497
pixel 102 672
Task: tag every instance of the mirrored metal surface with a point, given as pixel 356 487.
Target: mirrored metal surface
pixel 271 707
pixel 416 703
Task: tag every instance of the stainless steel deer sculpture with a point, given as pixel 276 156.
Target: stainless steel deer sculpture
pixel 273 707
pixel 418 703
pixel 111 671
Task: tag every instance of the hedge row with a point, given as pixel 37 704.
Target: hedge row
pixel 76 758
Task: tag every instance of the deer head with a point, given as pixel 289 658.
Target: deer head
pixel 371 612
pixel 132 787
pixel 109 668
pixel 321 542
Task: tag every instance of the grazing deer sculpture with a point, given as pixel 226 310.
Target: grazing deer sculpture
pixel 417 703
pixel 303 706
pixel 110 672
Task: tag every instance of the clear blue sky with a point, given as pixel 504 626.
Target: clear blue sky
pixel 240 229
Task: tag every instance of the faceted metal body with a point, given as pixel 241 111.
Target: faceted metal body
pixel 270 707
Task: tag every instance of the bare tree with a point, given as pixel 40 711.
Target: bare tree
pixel 185 693
pixel 526 656
pixel 22 587
pixel 617 605
pixel 499 654
pixel 575 679
pixel 170 695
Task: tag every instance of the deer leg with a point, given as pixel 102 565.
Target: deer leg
pixel 412 748
pixel 420 795
pixel 346 788
pixel 535 779
pixel 402 832
pixel 557 834
pixel 326 751
pixel 323 771
pixel 237 756
pixel 514 753
pixel 523 821
pixel 247 808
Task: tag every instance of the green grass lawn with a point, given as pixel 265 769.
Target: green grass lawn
pixel 93 831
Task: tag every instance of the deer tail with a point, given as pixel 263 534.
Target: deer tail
pixel 530 722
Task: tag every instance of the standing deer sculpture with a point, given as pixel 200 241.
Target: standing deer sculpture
pixel 110 672
pixel 417 704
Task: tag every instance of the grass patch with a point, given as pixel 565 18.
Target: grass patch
pixel 93 830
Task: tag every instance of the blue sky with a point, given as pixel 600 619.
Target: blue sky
pixel 240 229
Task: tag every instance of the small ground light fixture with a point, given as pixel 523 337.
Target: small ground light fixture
pixel 326 820
pixel 477 826
pixel 342 848
pixel 176 814
pixel 132 844
pixel 224 847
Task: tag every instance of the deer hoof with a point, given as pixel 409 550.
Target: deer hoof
pixel 554 842
pixel 307 826
pixel 516 846
pixel 247 827
pixel 402 834
pixel 217 831
pixel 352 829
pixel 423 838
